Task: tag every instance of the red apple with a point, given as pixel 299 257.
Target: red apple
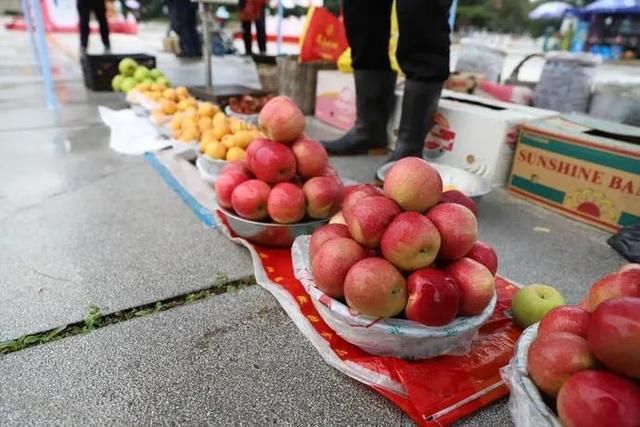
pixel 249 199
pixel 281 120
pixel 311 157
pixel 331 263
pixel 614 335
pixel 374 287
pixel 433 297
pixel 455 196
pixel 354 193
pixel 324 234
pixel 369 218
pixel 329 171
pixel 410 242
pixel 485 255
pixel 599 398
pixel 565 318
pixel 413 184
pixel 476 284
pixel 630 267
pixel 458 229
pixel 251 151
pixel 286 203
pixel 238 166
pixel 272 163
pixel 324 196
pixel 225 184
pixel 554 357
pixel 619 284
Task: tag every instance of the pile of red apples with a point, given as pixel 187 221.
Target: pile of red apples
pixel 407 250
pixel 586 358
pixel 286 177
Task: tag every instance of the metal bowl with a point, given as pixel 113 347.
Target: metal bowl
pixel 269 233
pixel 472 185
pixel 248 118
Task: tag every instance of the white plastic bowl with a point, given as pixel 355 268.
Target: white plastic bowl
pixel 209 168
pixel 387 337
pixel 185 150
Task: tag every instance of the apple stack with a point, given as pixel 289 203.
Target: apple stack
pixel 587 358
pixel 406 250
pixel 285 177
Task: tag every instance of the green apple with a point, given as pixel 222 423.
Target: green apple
pixel 148 81
pixel 155 73
pixel 116 82
pixel 531 303
pixel 127 67
pixel 163 80
pixel 141 73
pixel 127 84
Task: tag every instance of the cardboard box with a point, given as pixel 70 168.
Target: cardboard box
pixel 336 99
pixel 579 171
pixel 475 134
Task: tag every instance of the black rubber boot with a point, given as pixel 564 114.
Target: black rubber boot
pixel 375 97
pixel 419 105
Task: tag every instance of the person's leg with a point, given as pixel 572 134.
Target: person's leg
pixel 368 26
pixel 261 32
pixel 195 45
pixel 424 58
pixel 101 15
pixel 246 36
pixel 83 14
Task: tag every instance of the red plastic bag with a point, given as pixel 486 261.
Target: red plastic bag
pixel 323 37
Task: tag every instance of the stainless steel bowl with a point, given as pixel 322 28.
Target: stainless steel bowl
pixel 269 233
pixel 472 185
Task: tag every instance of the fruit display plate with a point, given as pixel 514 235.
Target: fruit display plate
pixel 472 185
pixel 387 337
pixel 248 118
pixel 269 233
pixel 185 150
pixel 139 110
pixel 209 168
pixel 526 404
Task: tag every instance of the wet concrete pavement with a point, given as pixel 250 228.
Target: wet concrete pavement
pixel 82 225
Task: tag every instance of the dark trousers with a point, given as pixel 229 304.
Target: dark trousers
pixel 183 15
pixel 423 45
pixel 261 34
pixel 84 11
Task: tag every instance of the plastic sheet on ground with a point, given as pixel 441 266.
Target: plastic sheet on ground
pixel 131 134
pixel 432 392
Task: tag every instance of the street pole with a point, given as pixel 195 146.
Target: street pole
pixel 206 39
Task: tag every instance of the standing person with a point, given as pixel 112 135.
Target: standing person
pixel 84 12
pixel 183 17
pixel 423 55
pixel 253 11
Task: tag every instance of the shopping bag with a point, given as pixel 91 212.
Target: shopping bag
pixel 323 36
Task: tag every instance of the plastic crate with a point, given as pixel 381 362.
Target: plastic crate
pixel 99 70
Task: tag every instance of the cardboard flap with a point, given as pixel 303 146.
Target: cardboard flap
pixel 605 129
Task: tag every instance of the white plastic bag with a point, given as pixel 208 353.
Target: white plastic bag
pixel 131 134
pixel 387 337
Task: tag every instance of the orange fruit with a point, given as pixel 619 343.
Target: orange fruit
pixel 235 153
pixel 216 150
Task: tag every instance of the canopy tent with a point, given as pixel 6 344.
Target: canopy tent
pixel 551 10
pixel 612 6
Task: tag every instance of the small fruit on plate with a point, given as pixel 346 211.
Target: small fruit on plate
pixel 599 398
pixel 324 234
pixel 332 262
pixel 485 255
pixel 249 199
pixel 369 218
pixel 565 318
pixel 286 204
pixel 614 335
pixel 623 283
pixel 374 287
pixel 433 297
pixel 456 196
pixel 226 183
pixel 552 358
pixel 324 196
pixel 410 241
pixel 532 302
pixel 272 162
pixel 281 120
pixel 311 157
pixel 458 229
pixel 413 184
pixel 475 283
